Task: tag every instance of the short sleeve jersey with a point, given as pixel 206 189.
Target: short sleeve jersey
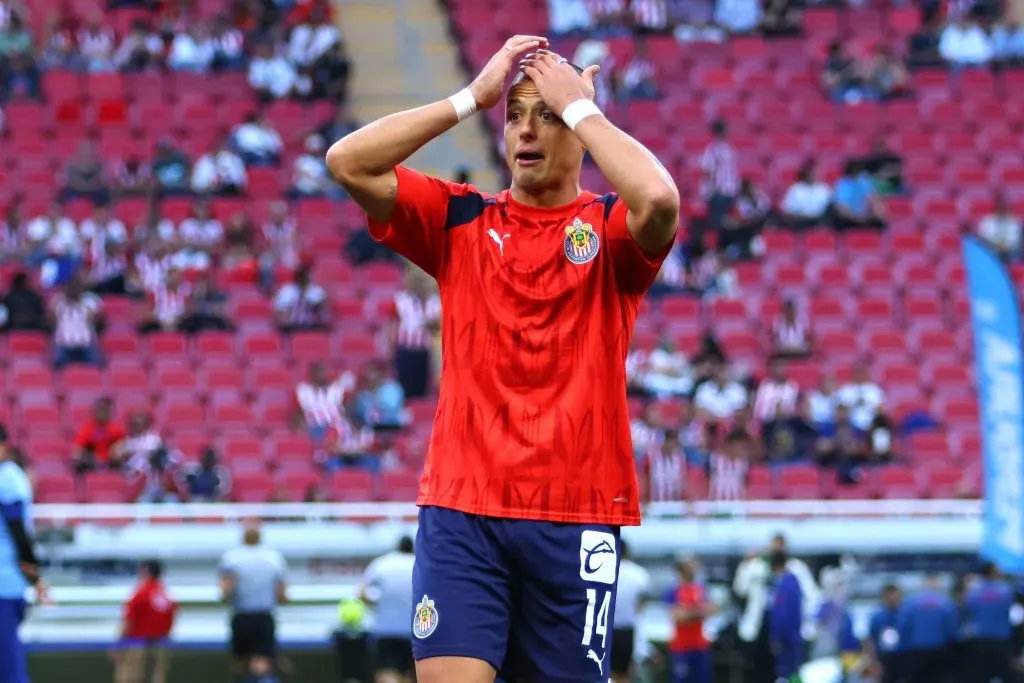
pixel 537 310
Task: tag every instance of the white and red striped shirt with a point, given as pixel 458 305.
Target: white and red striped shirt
pixel 604 8
pixel 202 234
pixel 790 335
pixel 300 305
pixel 282 239
pixel 230 44
pixel 652 14
pixel 719 163
pixel 169 302
pixel 152 270
pixel 141 445
pixel 75 326
pixel 98 45
pixel 728 479
pixel 322 406
pixel 636 366
pixel 12 238
pixel 644 436
pixel 666 471
pixel 775 399
pixel 353 440
pixel 104 265
pixel 414 316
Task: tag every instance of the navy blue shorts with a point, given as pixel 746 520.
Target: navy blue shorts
pixel 13 664
pixel 693 666
pixel 533 599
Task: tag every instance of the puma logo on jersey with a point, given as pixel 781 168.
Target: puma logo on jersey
pixel 500 241
pixel 600 662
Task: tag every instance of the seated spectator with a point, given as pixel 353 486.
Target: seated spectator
pixel 319 401
pixel 807 201
pixel 51 233
pixel 738 16
pixel 200 238
pixel 192 50
pixel 239 257
pixel 792 334
pixel 720 398
pixel 822 403
pixel 132 177
pixel 840 77
pixel 60 46
pixel 256 140
pixel 13 242
pixel 219 172
pixel 310 177
pixel 281 243
pixel 885 167
pixel 639 80
pixel 609 18
pixel 880 438
pixel 156 477
pixel 171 170
pixel 205 307
pixel 1008 41
pixel 862 397
pixel 776 397
pixel 102 227
pixel 228 46
pixel 788 439
pixel 355 447
pixel 154 225
pixel 416 318
pixel 741 228
pixel 884 76
pixel 964 43
pixel 207 481
pixel 273 77
pixel 150 266
pixel 662 462
pixel 380 401
pixel 691 433
pixel 96 445
pixel 856 203
pixel 710 274
pixel 77 320
pixel 1001 230
pixel 312 39
pixel 19 78
pixel 301 304
pixel 331 74
pixel 727 470
pixel 15 38
pixel 97 43
pixel 139 50
pixel 636 370
pixel 108 269
pixel 924 45
pixel 668 373
pixel 84 176
pixel 841 445
pixel 165 304
pixel 569 17
pixel 782 18
pixel 720 175
pixel 22 308
pixel 141 440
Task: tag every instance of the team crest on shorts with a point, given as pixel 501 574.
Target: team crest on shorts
pixel 425 620
pixel 581 242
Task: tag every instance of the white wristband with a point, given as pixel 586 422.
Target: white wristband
pixel 464 103
pixel 579 110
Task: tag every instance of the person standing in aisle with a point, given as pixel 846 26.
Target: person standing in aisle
pixel 387 586
pixel 634 583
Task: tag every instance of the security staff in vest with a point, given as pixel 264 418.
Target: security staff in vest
pixel 252 581
pixel 928 627
pixel 987 607
pixel 387 586
pixel 634 584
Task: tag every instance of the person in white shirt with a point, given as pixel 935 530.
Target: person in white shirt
pixel 863 397
pixel 738 16
pixel 273 77
pixel 633 590
pixel 311 41
pixel 192 50
pixel 220 171
pixel 567 16
pixel 139 49
pixel 257 141
pixel 668 373
pixel 1008 40
pixel 822 402
pixel 301 305
pixel 199 237
pixel 721 397
pixel 52 233
pixel 807 201
pixel 776 397
pixel 965 43
pixel 309 172
pixel 387 587
pixel 1001 229
pixel 791 335
pixel 103 227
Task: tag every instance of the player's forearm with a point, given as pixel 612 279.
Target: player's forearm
pixel 377 148
pixel 637 176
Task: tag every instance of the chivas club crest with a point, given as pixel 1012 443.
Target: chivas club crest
pixel 424 622
pixel 581 242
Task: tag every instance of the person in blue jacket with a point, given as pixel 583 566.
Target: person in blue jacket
pixel 883 641
pixel 987 606
pixel 927 626
pixel 785 615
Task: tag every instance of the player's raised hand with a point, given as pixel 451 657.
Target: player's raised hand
pixel 557 81
pixel 487 87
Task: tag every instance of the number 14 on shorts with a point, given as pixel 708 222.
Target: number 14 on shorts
pixel 599 626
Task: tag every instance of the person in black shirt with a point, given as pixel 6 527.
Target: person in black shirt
pixel 330 75
pixel 206 307
pixel 23 307
pixel 171 169
pixel 885 168
pixel 207 481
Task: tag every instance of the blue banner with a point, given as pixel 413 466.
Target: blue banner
pixel 996 323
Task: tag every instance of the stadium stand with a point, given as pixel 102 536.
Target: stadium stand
pixel 267 289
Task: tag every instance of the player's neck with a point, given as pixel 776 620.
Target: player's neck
pixel 548 198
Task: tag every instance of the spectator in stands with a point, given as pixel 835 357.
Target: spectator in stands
pixel 281 243
pixel 19 78
pixel 154 224
pixel 721 397
pixel 15 39
pixel 727 470
pixel 13 242
pixel 312 39
pixel 880 440
pixel 667 372
pixel 417 315
pixel 139 50
pixel 841 78
pixel 53 239
pixel 782 17
pixel 885 167
pixel 141 440
pixel 639 80
pixel 738 16
pixel 711 275
pixel 862 397
pixel 192 50
pixel 200 238
pixel 857 204
pixel 205 307
pixel 156 477
pixel 309 172
pixel 841 445
pixel 569 17
pixel 884 76
pixel 1001 230
pixel 22 308
pixel 380 400
pixel 822 402
pixel 272 76
pixel 97 440
pixel 609 18
pixel 320 401
pixel 792 334
pixel 257 141
pixel 721 176
pixel 776 397
pixel 97 42
pixel 207 481
pixel 355 447
pixel 220 172
pixel 165 304
pixel 964 43
pixel 788 438
pixel 301 304
pixel 108 268
pixel 673 275
pixel 60 48
pixel 807 201
pixel 741 228
pixel 239 257
pixel 132 177
pixel 170 169
pixel 330 75
pixel 84 176
pixel 1008 41
pixel 103 227
pixel 924 45
pixel 77 320
pixel 228 46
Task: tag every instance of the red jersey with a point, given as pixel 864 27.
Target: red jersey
pixel 537 311
pixel 689 636
pixel 100 438
pixel 149 613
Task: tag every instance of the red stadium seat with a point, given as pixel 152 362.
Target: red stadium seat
pixel 400 486
pixel 760 483
pixel 799 482
pixel 351 486
pixel 252 487
pixel 894 481
pixel 105 487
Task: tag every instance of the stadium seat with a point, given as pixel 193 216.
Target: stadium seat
pixel 351 486
pixel 252 487
pixel 105 487
pixel 798 482
pixel 894 481
pixel 399 486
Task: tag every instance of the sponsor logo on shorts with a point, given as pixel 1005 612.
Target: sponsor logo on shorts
pixel 598 562
pixel 424 622
pixel 581 242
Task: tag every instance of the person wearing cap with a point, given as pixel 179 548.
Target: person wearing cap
pixel 987 607
pixel 689 650
pixel 387 586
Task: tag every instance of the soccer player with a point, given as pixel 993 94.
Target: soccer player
pixel 530 472
pixel 689 650
pixel 19 567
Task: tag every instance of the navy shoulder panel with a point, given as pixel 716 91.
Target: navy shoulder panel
pixel 609 201
pixel 463 209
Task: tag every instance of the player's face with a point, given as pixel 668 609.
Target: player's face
pixel 540 150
